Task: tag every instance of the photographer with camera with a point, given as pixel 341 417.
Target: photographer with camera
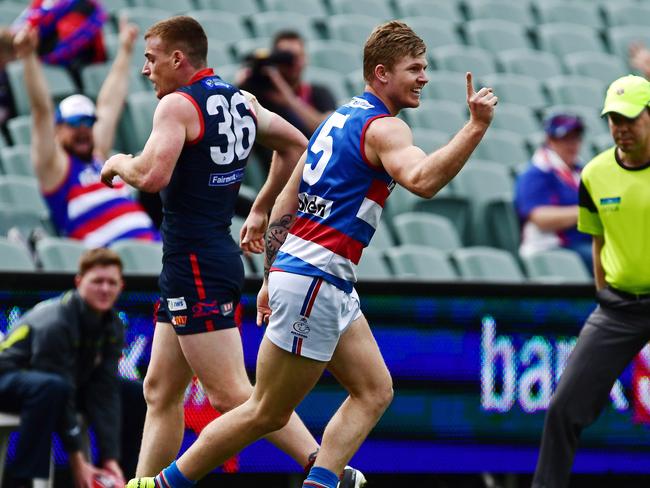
pixel 276 80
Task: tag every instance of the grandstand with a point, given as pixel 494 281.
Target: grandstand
pixel 539 55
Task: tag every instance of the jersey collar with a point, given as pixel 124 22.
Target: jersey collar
pixel 199 75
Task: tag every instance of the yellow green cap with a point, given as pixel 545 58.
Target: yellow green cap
pixel 627 96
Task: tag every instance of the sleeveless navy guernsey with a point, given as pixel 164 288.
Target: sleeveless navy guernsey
pixel 199 201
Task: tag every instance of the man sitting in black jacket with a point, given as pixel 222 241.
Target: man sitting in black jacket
pixel 61 360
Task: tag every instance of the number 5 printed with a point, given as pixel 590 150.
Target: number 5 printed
pixel 232 128
pixel 323 144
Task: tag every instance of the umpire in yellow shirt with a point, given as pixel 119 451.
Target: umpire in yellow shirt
pixel 614 208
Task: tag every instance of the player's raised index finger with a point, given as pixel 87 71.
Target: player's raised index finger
pixel 470 84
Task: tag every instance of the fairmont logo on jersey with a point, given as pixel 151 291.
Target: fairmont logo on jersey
pixel 225 179
pixel 314 205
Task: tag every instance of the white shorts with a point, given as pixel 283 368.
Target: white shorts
pixel 308 314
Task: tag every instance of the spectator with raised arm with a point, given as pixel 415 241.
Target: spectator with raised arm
pixel 71 143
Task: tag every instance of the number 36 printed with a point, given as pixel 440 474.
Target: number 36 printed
pixel 232 127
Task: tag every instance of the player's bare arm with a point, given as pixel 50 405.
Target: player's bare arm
pixel 287 143
pixel 282 217
pixel 173 124
pixel 389 143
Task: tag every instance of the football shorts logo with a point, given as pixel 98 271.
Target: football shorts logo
pixel 226 308
pixel 205 309
pixel 175 304
pixel 179 320
pixel 301 328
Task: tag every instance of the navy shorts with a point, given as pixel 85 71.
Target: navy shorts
pixel 199 293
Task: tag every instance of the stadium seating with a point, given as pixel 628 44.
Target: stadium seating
pixel 139 257
pixel 341 57
pixel 426 229
pixel 575 90
pixel 13 257
pixel 58 80
pixel 175 7
pixel 516 88
pixel 94 75
pixel 529 62
pixel 496 35
pixel 442 115
pixel 518 12
pixel 582 13
pixel 456 208
pixel 481 263
pixel 445 85
pixel 353 28
pixel 515 118
pixel 600 66
pixel 220 27
pixel 430 140
pixel 380 9
pixel 564 38
pixel 382 239
pixel 9 11
pixel 17 160
pixel 266 24
pixel 22 192
pixel 464 58
pixel 145 17
pixel 503 146
pixel 435 32
pixel 331 79
pixel 501 224
pixel 420 263
pixel 426 8
pixel 311 8
pixel 627 13
pixel 557 265
pixel 59 254
pixel 138 119
pixel 373 265
pixel 25 220
pixel 240 7
pixel 622 36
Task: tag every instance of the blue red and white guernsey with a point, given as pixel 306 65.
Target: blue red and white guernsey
pixel 199 201
pixel 82 207
pixel 341 198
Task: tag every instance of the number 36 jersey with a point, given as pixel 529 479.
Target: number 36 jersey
pixel 199 201
pixel 341 198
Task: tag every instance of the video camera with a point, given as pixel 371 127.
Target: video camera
pixel 259 59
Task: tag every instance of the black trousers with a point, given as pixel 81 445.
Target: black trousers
pixel 612 335
pixel 39 397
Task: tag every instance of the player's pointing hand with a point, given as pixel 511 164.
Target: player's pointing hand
pixel 481 104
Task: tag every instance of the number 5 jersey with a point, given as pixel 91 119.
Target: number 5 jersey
pixel 341 197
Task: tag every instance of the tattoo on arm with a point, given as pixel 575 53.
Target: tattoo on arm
pixel 275 237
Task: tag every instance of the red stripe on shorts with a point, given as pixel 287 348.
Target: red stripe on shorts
pixel 198 282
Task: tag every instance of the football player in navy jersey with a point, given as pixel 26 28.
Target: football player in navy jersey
pixel 203 130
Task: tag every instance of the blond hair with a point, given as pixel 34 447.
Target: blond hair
pixel 387 44
pixel 185 34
